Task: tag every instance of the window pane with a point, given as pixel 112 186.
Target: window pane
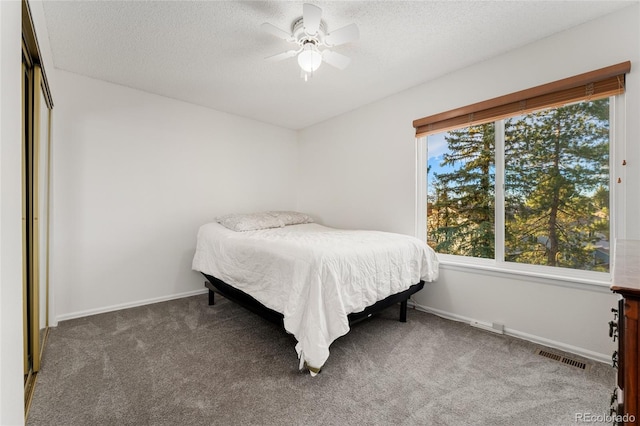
pixel 460 194
pixel 557 187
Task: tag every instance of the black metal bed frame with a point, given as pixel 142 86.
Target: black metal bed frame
pixel 243 299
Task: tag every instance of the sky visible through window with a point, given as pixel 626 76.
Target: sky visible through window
pixel 436 147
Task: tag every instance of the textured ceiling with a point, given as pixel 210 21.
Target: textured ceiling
pixel 211 53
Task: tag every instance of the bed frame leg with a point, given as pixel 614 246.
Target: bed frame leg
pixel 403 311
pixel 211 298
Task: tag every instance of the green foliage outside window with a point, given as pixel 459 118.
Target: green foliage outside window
pixel 556 189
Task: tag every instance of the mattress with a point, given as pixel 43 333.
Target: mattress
pixel 314 275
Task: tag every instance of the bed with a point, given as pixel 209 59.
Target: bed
pixel 312 279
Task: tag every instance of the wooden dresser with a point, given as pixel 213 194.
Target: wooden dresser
pixel 624 329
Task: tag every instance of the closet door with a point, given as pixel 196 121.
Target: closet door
pixel 35 220
pixel 40 225
pixel 36 124
pixel 26 231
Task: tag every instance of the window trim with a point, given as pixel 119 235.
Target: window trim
pixel 488 267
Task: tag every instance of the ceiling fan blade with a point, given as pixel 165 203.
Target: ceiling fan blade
pixel 311 16
pixel 343 35
pixel 335 59
pixel 275 31
pixel 281 56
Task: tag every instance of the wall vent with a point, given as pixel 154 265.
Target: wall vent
pixel 563 359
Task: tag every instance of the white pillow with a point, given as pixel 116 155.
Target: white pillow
pixel 250 221
pixel 291 217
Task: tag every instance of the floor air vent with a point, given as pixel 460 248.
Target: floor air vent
pixel 563 359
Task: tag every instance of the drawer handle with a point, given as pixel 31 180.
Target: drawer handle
pixel 613 326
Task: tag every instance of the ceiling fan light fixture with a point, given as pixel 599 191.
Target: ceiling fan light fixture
pixel 310 58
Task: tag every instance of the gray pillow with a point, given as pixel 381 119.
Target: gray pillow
pixel 250 221
pixel 291 217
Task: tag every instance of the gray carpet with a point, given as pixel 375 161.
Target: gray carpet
pixel 183 362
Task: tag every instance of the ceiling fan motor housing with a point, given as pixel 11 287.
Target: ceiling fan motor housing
pixel 301 36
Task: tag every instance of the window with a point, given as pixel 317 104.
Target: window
pixel 461 191
pixel 523 182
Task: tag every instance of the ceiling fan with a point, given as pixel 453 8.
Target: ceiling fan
pixel 310 34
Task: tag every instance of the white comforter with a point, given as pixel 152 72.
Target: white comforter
pixel 313 274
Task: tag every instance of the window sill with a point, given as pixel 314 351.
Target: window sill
pixel 561 280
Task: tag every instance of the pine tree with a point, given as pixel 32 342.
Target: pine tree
pixel 556 181
pixel 463 210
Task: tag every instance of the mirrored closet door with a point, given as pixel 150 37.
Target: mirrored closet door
pixel 36 145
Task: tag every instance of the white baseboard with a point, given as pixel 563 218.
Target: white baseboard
pixel 520 335
pixel 118 307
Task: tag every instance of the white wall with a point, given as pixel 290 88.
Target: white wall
pixel 358 171
pixel 11 364
pixel 135 175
